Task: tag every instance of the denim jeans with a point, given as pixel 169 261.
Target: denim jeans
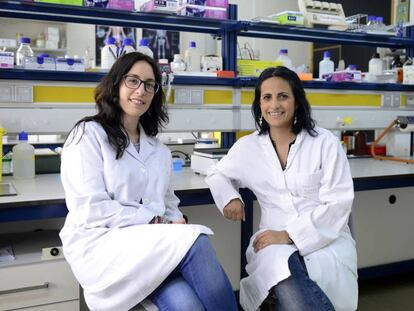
pixel 299 292
pixel 198 283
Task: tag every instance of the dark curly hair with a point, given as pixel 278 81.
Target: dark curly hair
pixel 110 112
pixel 304 120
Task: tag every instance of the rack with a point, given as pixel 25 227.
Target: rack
pixel 228 30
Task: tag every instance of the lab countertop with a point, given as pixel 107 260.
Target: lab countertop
pixel 47 188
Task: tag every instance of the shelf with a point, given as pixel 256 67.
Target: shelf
pixel 100 16
pixel 40 50
pixel 292 33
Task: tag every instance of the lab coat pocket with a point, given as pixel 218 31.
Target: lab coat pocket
pixel 307 185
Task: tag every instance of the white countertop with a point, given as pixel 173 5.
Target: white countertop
pixel 47 187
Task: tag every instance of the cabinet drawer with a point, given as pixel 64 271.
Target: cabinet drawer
pixel 37 283
pixel 62 306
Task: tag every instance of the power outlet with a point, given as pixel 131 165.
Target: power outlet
pixel 6 93
pixel 409 101
pixel 197 97
pixel 23 93
pixel 396 100
pixel 182 96
pixel 387 100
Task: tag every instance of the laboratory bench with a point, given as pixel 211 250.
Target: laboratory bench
pixel 382 214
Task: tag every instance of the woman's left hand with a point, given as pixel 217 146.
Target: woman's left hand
pixel 269 237
pixel 180 221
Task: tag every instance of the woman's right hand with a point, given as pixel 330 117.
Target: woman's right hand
pixel 234 210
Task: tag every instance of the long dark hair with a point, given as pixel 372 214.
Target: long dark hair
pixel 110 112
pixel 303 117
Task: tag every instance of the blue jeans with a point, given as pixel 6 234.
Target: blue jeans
pixel 299 292
pixel 198 283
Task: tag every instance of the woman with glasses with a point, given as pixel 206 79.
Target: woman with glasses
pixel 303 254
pixel 124 236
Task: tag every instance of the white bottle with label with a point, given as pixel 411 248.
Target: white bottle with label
pixel 285 59
pixel 23 51
pixel 192 58
pixel 23 158
pixel 177 65
pixel 144 48
pixel 127 46
pixel 108 54
pixel 375 67
pixel 326 66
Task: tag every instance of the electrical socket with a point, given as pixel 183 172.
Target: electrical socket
pixel 409 101
pixel 387 100
pixel 23 93
pixel 396 100
pixel 6 93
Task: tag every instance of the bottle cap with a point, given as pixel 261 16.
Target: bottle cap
pixel 352 67
pixel 24 40
pixel 380 19
pixel 371 18
pixel 110 40
pixel 283 51
pixel 192 44
pixel 143 42
pixel 23 136
pixel 326 54
pixel 127 41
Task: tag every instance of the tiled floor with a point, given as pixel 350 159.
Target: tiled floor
pixel 394 293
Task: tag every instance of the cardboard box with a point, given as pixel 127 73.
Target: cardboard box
pixel 127 5
pixel 6 60
pixel 203 11
pixel 249 67
pixel 209 3
pixel 39 63
pixel 169 6
pixel 70 64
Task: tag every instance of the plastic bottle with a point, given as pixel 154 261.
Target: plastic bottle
pixel 285 59
pixel 192 57
pixel 397 65
pixel 177 65
pixel 371 24
pixel 127 46
pixel 326 66
pixel 108 54
pixel 23 51
pixel 144 49
pixel 375 67
pixel 380 26
pixel 23 158
pixel 351 67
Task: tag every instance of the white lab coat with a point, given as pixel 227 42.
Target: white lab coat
pixel 311 199
pixel 117 257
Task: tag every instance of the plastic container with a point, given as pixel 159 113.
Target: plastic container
pixel 144 48
pixel 108 54
pixel 127 46
pixel 380 26
pixel 326 66
pixel 285 59
pixel 192 57
pixel 23 158
pixel 178 64
pixel 23 51
pixel 375 67
pixel 371 24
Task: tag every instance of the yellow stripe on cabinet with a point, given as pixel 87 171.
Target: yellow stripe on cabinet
pixel 63 94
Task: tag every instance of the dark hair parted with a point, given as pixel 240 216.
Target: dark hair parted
pixel 303 117
pixel 110 113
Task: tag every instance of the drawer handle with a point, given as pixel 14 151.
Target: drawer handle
pixel 24 289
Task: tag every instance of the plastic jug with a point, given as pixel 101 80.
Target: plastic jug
pixel 192 57
pixel 23 158
pixel 108 54
pixel 285 59
pixel 144 48
pixel 326 66
pixel 375 67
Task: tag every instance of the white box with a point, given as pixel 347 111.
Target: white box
pixel 170 6
pixel 39 63
pixel 8 43
pixel 6 60
pixel 70 64
pixel 211 63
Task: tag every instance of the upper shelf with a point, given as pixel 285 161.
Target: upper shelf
pixel 37 75
pixel 100 16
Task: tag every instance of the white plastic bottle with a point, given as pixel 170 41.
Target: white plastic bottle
pixel 144 48
pixel 23 51
pixel 192 58
pixel 375 67
pixel 127 46
pixel 23 158
pixel 380 24
pixel 326 66
pixel 177 65
pixel 285 59
pixel 108 54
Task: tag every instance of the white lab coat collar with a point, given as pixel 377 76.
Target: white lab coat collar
pixel 147 146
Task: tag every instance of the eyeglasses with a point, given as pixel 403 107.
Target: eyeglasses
pixel 133 82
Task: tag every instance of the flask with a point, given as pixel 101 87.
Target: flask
pixel 397 65
pixel 284 58
pixel 380 26
pixel 144 48
pixel 192 57
pixel 177 64
pixel 23 158
pixel 108 54
pixel 375 67
pixel 23 51
pixel 326 66
pixel 127 46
